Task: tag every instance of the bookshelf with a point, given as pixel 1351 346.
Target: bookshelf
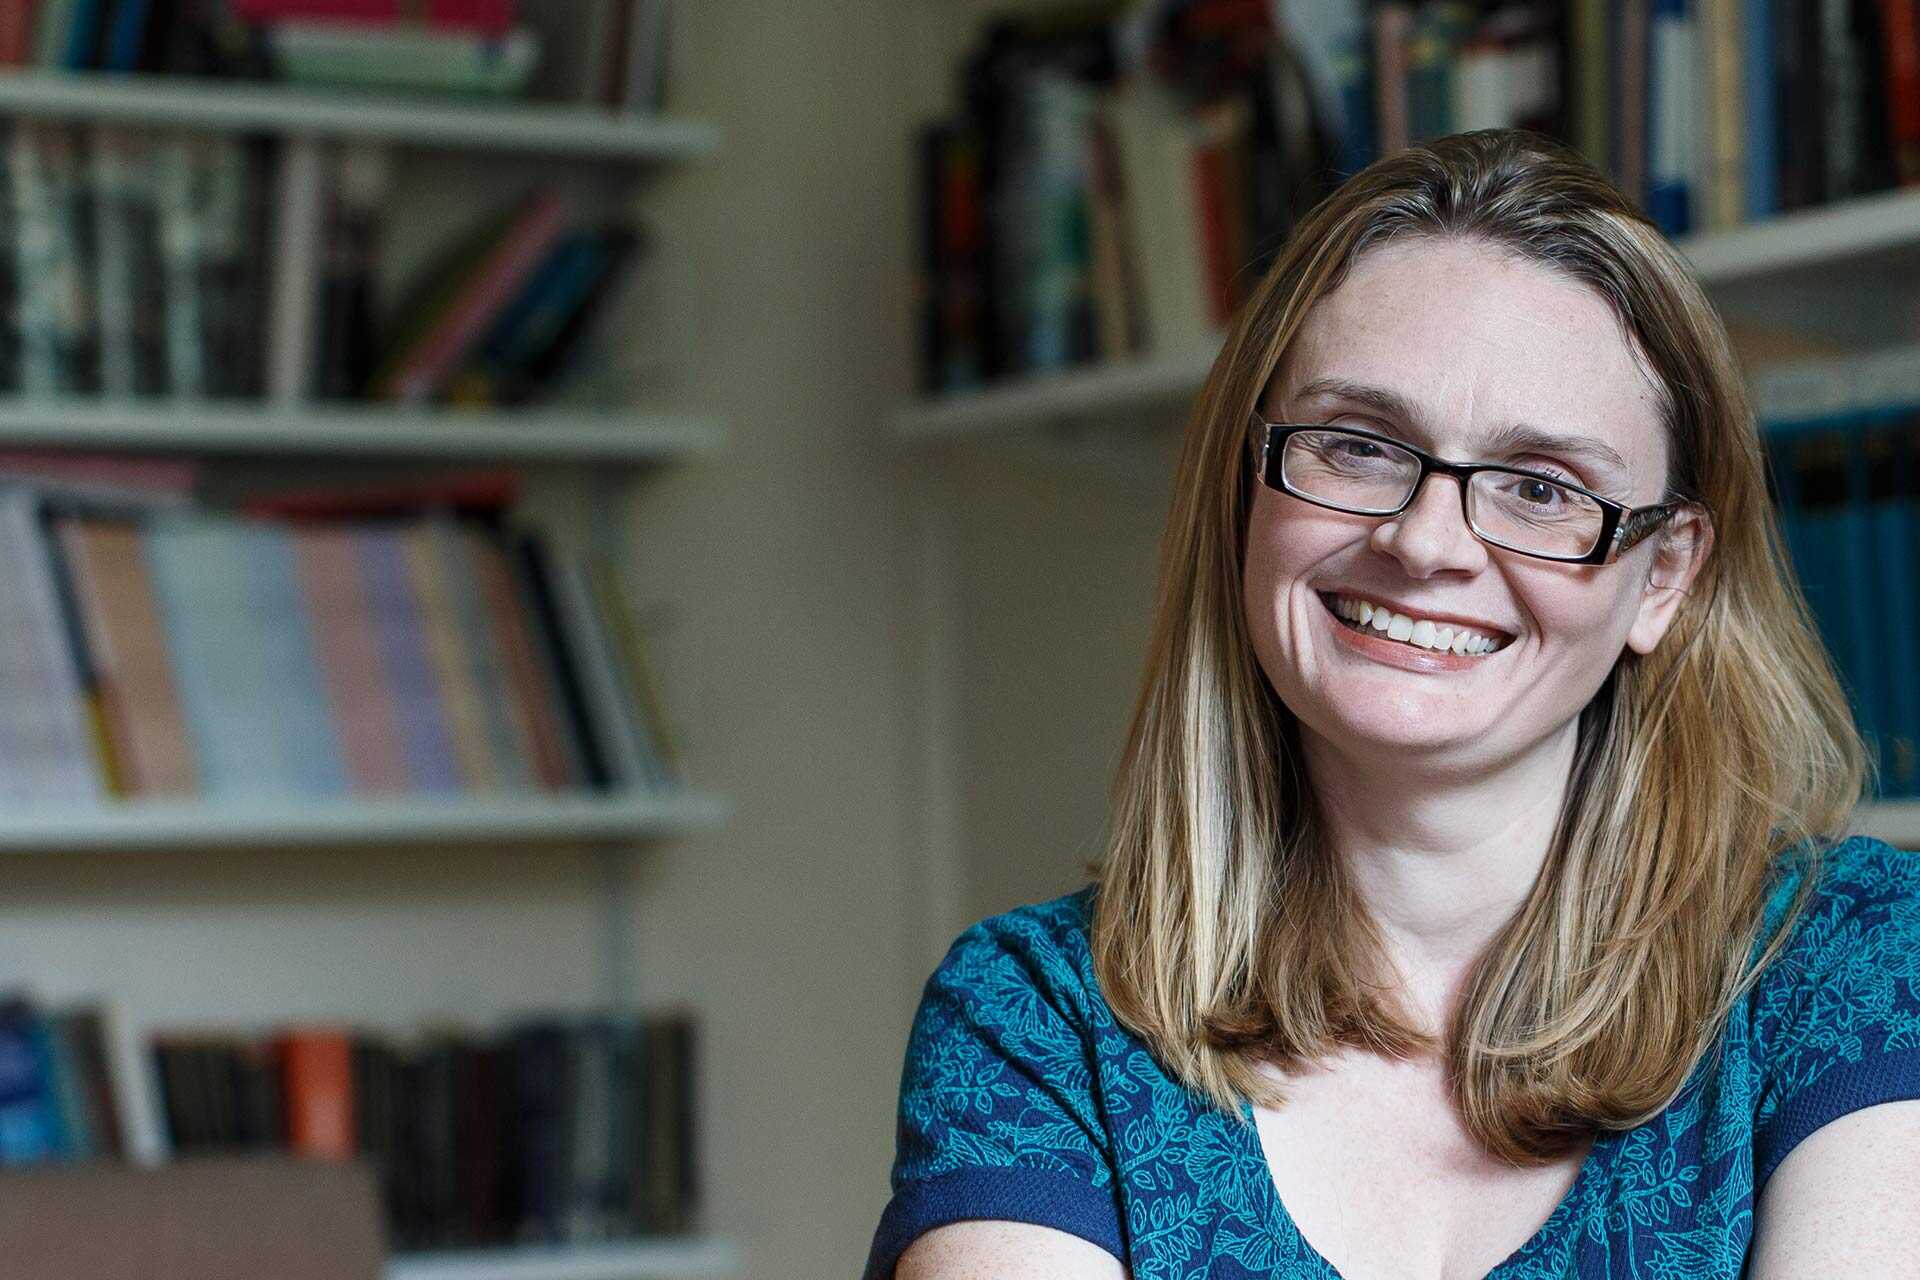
pixel 142 827
pixel 1857 235
pixel 633 1261
pixel 583 132
pixel 552 437
pixel 591 455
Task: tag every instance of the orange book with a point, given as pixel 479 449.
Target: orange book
pixel 139 709
pixel 316 1065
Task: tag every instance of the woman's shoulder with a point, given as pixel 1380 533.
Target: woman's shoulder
pixel 1854 949
pixel 1040 947
pixel 1865 893
pixel 1056 925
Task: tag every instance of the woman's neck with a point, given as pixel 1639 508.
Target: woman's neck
pixel 1441 862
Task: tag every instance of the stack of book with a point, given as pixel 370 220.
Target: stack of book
pixel 1086 207
pixel 555 1129
pixel 130 263
pixel 502 316
pixel 130 270
pixel 190 37
pixel 1844 439
pixel 313 646
pixel 1118 180
pixel 445 46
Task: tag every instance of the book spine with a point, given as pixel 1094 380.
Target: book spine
pixel 361 701
pixel 421 371
pixel 432 759
pixel 453 674
pixel 317 1067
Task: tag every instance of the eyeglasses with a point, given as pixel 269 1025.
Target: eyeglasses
pixel 1365 474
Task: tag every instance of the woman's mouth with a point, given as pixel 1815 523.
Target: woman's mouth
pixel 1359 614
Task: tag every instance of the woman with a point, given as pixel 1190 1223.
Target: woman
pixel 1473 903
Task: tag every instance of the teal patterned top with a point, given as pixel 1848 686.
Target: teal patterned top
pixel 1024 1100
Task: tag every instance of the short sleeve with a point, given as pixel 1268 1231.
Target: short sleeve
pixel 997 1113
pixel 1837 1014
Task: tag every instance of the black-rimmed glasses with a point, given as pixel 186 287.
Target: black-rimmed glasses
pixel 1362 473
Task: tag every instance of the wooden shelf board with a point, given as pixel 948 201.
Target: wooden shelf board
pixel 626 1260
pixel 240 106
pixel 534 435
pixel 143 826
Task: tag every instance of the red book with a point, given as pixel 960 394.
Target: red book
pixel 16 31
pixel 481 493
pixel 317 1067
pixel 488 17
pixel 1902 44
pixel 418 372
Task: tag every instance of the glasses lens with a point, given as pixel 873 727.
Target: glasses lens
pixel 1532 513
pixel 1351 471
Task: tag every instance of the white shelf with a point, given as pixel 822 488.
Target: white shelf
pixel 257 107
pixel 1895 821
pixel 533 435
pixel 634 1260
pixel 1861 229
pixel 146 826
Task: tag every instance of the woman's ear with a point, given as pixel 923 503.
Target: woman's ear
pixel 1680 552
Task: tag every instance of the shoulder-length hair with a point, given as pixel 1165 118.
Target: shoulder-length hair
pixel 1225 934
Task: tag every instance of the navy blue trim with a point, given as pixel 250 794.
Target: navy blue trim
pixel 1886 1077
pixel 1044 1197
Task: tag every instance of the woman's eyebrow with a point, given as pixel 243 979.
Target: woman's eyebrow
pixel 1514 438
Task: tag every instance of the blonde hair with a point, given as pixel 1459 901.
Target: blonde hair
pixel 1224 934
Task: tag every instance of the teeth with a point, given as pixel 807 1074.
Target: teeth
pixel 1422 632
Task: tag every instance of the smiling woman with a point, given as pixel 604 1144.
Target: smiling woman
pixel 1476 899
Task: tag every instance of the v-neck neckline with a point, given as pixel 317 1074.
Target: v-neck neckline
pixel 1542 1239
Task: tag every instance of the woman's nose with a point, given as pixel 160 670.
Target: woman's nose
pixel 1431 536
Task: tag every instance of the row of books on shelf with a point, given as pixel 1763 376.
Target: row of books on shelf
pixel 311 646
pixel 1844 440
pixel 472 47
pixel 555 1129
pixel 134 267
pixel 1115 185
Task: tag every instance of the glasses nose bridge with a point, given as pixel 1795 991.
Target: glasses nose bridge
pixel 1432 468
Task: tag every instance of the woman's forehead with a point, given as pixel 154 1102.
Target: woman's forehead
pixel 1466 347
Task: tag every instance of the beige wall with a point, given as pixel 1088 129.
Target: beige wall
pixel 910 669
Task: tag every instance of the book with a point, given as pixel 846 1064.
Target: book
pixel 356 202
pixel 123 633
pixel 407 56
pixel 413 374
pixel 488 17
pixel 317 1067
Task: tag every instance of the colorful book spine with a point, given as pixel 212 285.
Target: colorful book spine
pixel 432 759
pixel 420 370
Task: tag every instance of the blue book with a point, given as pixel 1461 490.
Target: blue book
pixel 126 33
pixel 1757 84
pixel 309 737
pixel 31 1129
pixel 431 761
pixel 83 34
pixel 1855 572
pixel 551 294
pixel 1670 124
pixel 212 621
pixel 1897 526
pixel 1817 537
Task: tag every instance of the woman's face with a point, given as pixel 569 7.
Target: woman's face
pixel 1469 342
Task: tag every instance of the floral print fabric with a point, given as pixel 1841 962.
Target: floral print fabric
pixel 1023 1099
